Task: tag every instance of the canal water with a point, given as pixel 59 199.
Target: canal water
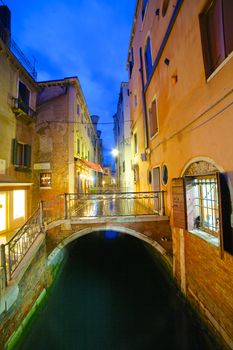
pixel 110 295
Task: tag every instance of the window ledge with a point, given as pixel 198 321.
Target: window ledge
pixel 228 58
pixel 207 237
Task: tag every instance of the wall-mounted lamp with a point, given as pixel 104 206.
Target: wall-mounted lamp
pixel 167 61
pixel 157 11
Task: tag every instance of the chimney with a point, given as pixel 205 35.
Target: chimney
pixel 5 24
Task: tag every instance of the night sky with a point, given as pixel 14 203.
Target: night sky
pixel 88 39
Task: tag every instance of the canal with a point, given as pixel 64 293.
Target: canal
pixel 110 295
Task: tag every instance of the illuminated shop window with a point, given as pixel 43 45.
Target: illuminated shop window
pixel 18 204
pixel 2 211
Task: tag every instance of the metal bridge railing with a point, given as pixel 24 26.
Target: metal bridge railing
pixel 110 204
pixel 13 252
pixel 74 205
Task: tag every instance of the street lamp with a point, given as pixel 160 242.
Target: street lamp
pixel 115 152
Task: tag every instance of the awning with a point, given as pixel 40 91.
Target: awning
pixel 93 166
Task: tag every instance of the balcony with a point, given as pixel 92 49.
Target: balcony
pixel 16 51
pixel 23 111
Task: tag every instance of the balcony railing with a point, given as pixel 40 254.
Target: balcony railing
pixel 14 48
pixel 21 108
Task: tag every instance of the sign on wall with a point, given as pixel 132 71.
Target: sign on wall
pixel 45 180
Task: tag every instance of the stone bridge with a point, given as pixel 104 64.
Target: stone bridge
pixel 30 260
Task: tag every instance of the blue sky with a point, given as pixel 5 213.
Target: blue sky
pixel 76 37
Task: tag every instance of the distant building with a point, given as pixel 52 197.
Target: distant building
pixel 67 145
pixel 122 135
pixel 180 65
pixel 17 130
pixel 107 178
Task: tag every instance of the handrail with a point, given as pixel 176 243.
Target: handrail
pixel 18 246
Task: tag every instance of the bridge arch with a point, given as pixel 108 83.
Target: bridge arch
pixel 117 228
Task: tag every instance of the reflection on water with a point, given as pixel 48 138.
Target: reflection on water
pixel 111 296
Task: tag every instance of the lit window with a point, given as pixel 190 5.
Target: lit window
pixel 217 33
pixel 148 59
pixel 202 205
pixel 18 204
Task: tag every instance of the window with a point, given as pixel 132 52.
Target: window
pixel 135 101
pixel 3 211
pixel 123 166
pixel 23 97
pixel 135 174
pixel 78 146
pixel 217 33
pixel 131 62
pixel 18 204
pixel 165 7
pixel 135 138
pixel 12 209
pixel 21 154
pixel 202 199
pixel 164 174
pixel 148 59
pixel 78 109
pixel 144 5
pixel 153 119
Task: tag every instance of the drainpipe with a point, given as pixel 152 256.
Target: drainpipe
pixel 144 108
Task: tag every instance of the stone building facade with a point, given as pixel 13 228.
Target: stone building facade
pixel 66 144
pixel 17 130
pixel 180 66
pixel 122 134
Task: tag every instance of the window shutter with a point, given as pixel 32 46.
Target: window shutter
pixel 179 203
pixel 27 156
pixel 228 27
pixel 153 119
pixel 225 210
pixel 14 151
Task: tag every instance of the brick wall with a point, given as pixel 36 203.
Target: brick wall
pixel 30 287
pixel 209 280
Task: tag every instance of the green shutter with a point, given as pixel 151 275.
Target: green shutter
pixel 27 156
pixel 14 151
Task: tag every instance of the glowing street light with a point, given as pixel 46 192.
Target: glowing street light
pixel 115 152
